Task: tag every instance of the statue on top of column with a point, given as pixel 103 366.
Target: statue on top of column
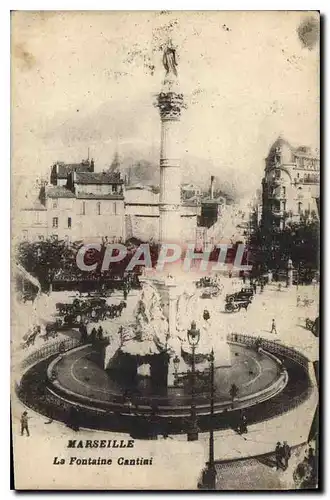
pixel 169 59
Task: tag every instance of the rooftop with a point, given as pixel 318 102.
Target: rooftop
pixel 98 178
pixel 59 192
pixel 64 169
pixel 35 205
pixel 304 151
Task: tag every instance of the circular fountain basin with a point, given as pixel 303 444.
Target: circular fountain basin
pixel 78 376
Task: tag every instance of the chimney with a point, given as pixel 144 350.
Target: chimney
pixel 212 187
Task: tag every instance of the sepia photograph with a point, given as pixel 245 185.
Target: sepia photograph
pixel 165 250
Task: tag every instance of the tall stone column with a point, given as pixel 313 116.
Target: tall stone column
pixel 170 104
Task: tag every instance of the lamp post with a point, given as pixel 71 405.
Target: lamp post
pixel 176 363
pixel 193 335
pixel 211 471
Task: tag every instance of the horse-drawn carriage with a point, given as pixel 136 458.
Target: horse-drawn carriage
pixel 237 301
pixel 92 309
pixel 233 305
pixel 210 292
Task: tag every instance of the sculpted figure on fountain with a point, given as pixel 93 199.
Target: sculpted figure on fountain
pixel 151 323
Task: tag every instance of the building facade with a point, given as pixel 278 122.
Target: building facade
pixel 290 187
pixel 88 206
pixel 79 204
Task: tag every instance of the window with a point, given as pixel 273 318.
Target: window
pixel 55 222
pixel 69 222
pixel 277 174
pixel 115 208
pixel 37 217
pixel 114 188
pixel 299 207
pixel 98 206
pixel 284 191
pixel 83 208
pixel 40 237
pixel 55 204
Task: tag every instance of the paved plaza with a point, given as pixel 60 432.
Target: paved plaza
pixel 292 426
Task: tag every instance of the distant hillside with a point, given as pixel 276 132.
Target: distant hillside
pixel 193 170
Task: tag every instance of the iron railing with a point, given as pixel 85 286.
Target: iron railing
pixel 272 347
pixel 48 350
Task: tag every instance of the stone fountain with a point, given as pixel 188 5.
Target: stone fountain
pixel 170 302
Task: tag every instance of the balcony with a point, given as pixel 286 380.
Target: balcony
pixel 307 179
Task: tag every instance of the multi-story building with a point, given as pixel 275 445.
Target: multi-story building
pixel 60 171
pixel 80 204
pixel 290 187
pixel 189 190
pixel 87 206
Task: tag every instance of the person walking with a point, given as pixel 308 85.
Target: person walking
pixel 25 423
pixel 278 456
pixel 286 451
pixel 233 393
pixel 273 330
pixel 243 428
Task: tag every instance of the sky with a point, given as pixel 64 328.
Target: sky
pixel 89 80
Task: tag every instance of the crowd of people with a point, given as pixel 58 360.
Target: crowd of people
pixel 97 334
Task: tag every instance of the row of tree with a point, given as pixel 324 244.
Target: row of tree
pixel 298 241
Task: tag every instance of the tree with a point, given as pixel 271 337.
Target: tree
pixel 298 241
pixel 43 259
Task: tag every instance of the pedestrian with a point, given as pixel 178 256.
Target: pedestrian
pixel 298 300
pixel 258 343
pixel 93 335
pixel 311 458
pixel 24 423
pixel 206 315
pixel 286 453
pixel 278 456
pixel 83 333
pixel 243 427
pixel 233 393
pixel 254 287
pixel 314 281
pixel 273 330
pixel 73 419
pixel 100 333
